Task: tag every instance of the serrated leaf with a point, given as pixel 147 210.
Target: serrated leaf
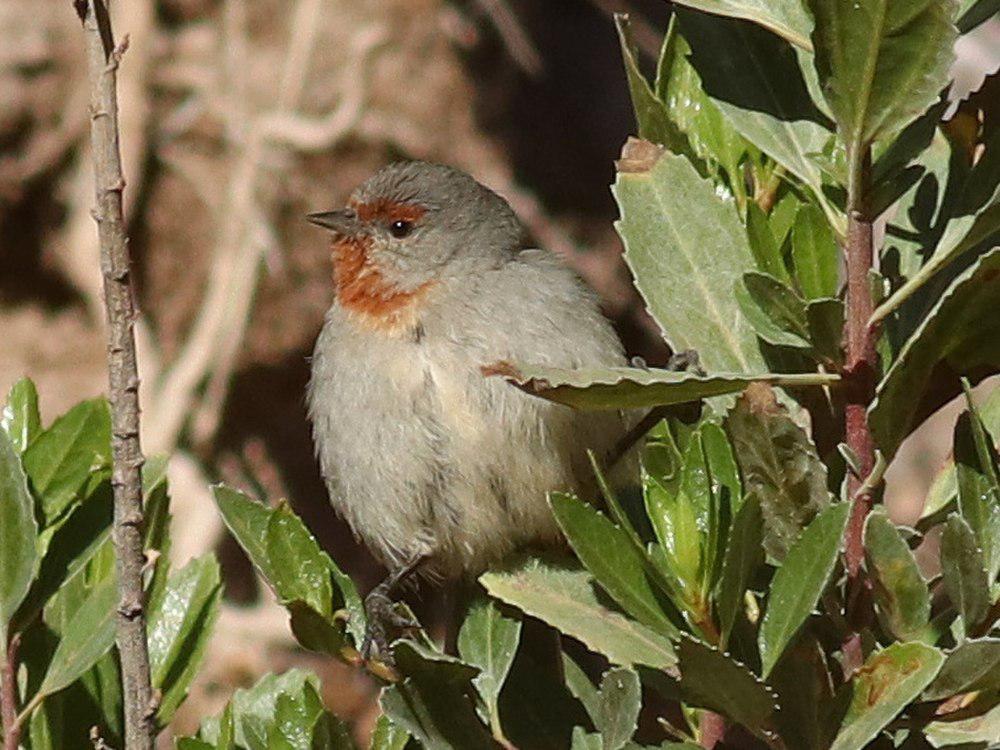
pixel 964 571
pixel 901 593
pixel 608 553
pixel 800 581
pixel 787 18
pixel 88 636
pixel 744 555
pixel 488 640
pixel 254 708
pixel 19 417
pixel 299 568
pixel 978 482
pixel 887 682
pixel 180 625
pixel 618 712
pixel 807 703
pixel 712 680
pixel 960 335
pixel 18 551
pixel 972 665
pixel 759 87
pixel 779 466
pixel 881 63
pixel 669 215
pixel 815 254
pixel 626 387
pixel 60 460
pixel 568 600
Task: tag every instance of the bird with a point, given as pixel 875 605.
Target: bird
pixel 441 469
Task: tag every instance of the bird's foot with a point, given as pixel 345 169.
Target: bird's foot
pixel 384 617
pixel 685 361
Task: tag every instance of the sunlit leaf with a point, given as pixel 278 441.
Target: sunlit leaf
pixel 901 592
pixel 19 417
pixel 18 553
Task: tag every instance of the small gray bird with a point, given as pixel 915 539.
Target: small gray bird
pixel 438 467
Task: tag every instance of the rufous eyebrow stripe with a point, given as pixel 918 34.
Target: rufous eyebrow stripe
pixel 388 211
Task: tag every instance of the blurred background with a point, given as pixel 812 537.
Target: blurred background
pixel 238 118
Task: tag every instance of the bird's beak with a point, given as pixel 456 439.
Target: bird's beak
pixel 345 221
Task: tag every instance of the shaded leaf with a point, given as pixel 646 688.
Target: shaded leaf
pixel 808 710
pixel 18 553
pixel 826 328
pixel 974 732
pixel 568 600
pixel 744 555
pixel 88 636
pixel 787 18
pixel 626 387
pixel 180 625
pixel 776 312
pixel 765 247
pixel 978 482
pixel 580 687
pixel 815 254
pixel 901 593
pixel 889 680
pixel 800 581
pixel 488 640
pixel 975 12
pixel 388 736
pixel 61 459
pixel 960 335
pixel 618 712
pixel 712 680
pixel 760 89
pixel 964 571
pixel 669 216
pixel 881 63
pixel 779 466
pixel 608 553
pixel 19 417
pixel 972 665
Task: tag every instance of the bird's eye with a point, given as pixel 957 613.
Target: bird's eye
pixel 400 229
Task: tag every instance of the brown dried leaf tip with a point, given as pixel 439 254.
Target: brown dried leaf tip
pixel 638 156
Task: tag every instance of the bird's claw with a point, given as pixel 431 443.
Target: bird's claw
pixel 382 617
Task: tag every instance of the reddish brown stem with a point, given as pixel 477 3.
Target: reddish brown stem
pixel 8 696
pixel 861 361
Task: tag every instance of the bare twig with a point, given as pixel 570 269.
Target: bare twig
pixel 519 45
pixel 103 58
pixel 8 694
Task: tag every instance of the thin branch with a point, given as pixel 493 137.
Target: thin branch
pixel 103 58
pixel 8 694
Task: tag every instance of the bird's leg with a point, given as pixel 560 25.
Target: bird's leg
pixel 380 609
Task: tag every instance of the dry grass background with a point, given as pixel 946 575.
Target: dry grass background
pixel 238 118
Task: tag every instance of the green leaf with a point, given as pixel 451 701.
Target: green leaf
pixel 744 555
pixel 669 216
pixel 651 115
pixel 60 460
pixel 972 13
pixel 19 417
pixel 901 593
pixel 431 703
pixel 388 736
pixel 779 466
pixel 978 481
pixel 18 551
pixel 808 715
pixel 568 600
pixel 88 636
pixel 765 247
pixel 712 680
pixel 814 252
pixel 580 686
pixel 776 312
pixel 826 329
pixel 488 640
pixel 300 570
pixel 974 732
pixel 881 63
pixel 760 89
pixel 960 335
pixel 626 387
pixel 787 18
pixel 180 625
pixel 972 665
pixel 800 581
pixel 618 711
pixel 889 680
pixel 608 553
pixel 964 571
